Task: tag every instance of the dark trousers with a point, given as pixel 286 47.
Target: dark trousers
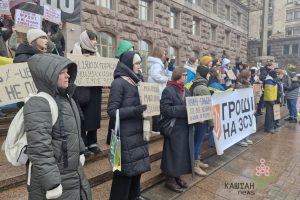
pixel 269 117
pixel 89 138
pixel 292 106
pixel 125 187
pixel 155 125
pixel 260 104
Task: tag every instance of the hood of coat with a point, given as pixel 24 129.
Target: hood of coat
pixel 124 67
pixel 152 60
pixel 123 47
pixel 45 69
pixel 200 80
pixel 26 49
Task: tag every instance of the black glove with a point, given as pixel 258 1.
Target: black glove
pixel 211 128
pixel 140 109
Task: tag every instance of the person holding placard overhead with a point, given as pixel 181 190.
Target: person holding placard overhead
pixel 178 150
pixel 135 158
pixel 89 98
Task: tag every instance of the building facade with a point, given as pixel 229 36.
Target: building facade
pixel 283 31
pixel 183 28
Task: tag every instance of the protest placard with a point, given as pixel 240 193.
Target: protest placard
pixel 150 96
pixel 231 75
pixel 25 20
pixel 52 14
pixel 4 7
pixel 198 108
pixel 15 83
pixel 234 119
pixel 276 109
pixel 257 90
pixel 94 71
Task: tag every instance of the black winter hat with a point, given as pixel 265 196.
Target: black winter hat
pixel 202 71
pixel 273 74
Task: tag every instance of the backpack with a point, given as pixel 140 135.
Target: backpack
pixel 15 143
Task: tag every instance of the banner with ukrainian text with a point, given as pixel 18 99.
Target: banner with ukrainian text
pixel 234 119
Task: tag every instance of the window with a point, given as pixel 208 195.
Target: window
pixel 196 27
pixel 295 48
pixel 296 30
pixel 269 34
pixel 286 49
pixel 270 5
pixel 104 3
pixel 106 44
pixel 258 51
pixel 238 41
pixel 213 35
pixel 144 48
pixel 239 18
pixel 268 50
pixel 172 20
pixel 228 13
pixel 290 1
pixel 195 2
pixel 215 6
pixel 196 54
pixel 288 31
pixel 143 10
pixel 173 52
pixel 270 19
pixel 227 38
pixel 289 15
pixel 297 14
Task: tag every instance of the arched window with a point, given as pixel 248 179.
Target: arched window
pixel 196 54
pixel 106 44
pixel 144 49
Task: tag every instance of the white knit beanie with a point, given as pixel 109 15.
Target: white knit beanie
pixel 226 61
pixel 136 59
pixel 34 34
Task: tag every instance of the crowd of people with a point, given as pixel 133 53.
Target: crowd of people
pixel 58 152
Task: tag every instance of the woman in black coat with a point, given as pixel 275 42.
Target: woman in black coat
pixel 178 156
pixel 134 150
pixel 89 98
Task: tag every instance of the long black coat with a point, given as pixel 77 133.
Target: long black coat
pixel 125 97
pixel 178 150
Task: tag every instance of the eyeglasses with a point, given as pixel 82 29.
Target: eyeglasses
pixel 184 74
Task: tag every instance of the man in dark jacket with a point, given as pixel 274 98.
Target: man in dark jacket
pixel 4 36
pixel 292 93
pixel 55 152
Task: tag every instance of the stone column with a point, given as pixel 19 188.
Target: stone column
pixel 264 37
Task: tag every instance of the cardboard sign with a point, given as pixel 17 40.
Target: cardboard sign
pixel 150 96
pixel 276 109
pixel 234 118
pixel 52 14
pixel 4 7
pixel 25 20
pixel 257 90
pixel 198 108
pixel 15 83
pixel 231 75
pixel 94 71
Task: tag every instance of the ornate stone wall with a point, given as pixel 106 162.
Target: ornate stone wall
pixel 123 23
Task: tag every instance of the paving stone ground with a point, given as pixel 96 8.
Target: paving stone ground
pixel 281 153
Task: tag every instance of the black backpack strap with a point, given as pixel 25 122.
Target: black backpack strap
pixel 62 132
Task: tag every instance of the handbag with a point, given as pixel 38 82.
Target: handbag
pixel 115 145
pixel 166 125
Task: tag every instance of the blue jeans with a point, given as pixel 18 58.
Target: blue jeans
pixel 200 130
pixel 292 106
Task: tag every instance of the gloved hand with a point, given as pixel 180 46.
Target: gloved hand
pixel 82 159
pixel 140 109
pixel 54 193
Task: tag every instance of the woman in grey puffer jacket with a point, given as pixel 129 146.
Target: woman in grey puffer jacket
pixel 54 151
